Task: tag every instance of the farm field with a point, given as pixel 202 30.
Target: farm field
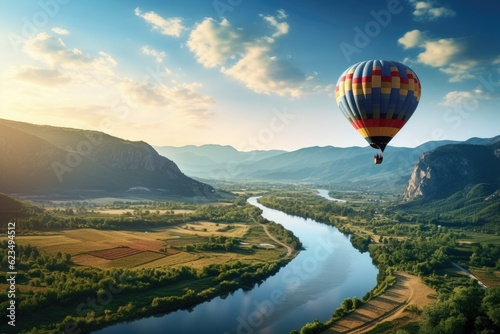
pixel 80 241
pixel 155 248
pixel 131 210
pixel 489 277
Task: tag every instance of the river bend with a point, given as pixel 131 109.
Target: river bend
pixel 310 287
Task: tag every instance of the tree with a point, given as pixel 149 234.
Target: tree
pixel 491 305
pixel 347 305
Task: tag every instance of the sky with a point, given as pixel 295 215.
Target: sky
pixel 252 74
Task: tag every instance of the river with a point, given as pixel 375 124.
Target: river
pixel 310 287
pixel 324 193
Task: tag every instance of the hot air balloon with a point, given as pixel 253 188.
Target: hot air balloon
pixel 378 97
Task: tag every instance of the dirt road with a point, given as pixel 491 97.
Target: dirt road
pixel 408 290
pixel 288 248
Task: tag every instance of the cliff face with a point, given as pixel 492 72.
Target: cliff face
pixel 450 168
pixel 44 159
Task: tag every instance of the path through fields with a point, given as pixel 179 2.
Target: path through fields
pixel 288 248
pixel 408 290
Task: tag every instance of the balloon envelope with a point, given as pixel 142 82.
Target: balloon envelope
pixel 378 97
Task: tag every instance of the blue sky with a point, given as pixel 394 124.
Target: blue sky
pixel 251 74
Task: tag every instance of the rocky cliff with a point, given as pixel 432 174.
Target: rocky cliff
pixel 451 168
pixel 44 159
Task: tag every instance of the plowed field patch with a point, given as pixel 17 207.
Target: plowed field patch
pixel 115 253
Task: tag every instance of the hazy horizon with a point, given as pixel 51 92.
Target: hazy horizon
pixel 253 75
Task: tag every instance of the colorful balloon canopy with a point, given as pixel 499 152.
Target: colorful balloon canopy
pixel 378 97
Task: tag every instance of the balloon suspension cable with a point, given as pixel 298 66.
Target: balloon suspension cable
pixel 378 158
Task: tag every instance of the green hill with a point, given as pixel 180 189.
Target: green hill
pixel 11 208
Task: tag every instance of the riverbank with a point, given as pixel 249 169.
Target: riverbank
pixel 409 292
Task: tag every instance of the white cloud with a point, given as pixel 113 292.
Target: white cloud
pixel 60 31
pixel 266 74
pixel 281 14
pixel 440 52
pixel 93 78
pixel 437 52
pixel 412 39
pixel 281 27
pixel 170 27
pixel 171 98
pixel 213 43
pixel 428 11
pixel 158 55
pixel 249 60
pixel 447 54
pixel 144 93
pixel 41 76
pixel 57 55
pixel 460 71
pixel 183 97
pixel 52 51
pixel 463 98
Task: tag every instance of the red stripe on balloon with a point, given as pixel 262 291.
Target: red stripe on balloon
pixel 368 123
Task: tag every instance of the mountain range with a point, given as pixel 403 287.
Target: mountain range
pixel 39 159
pixel 349 167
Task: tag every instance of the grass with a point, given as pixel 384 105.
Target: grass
pixel 205 228
pixel 91 261
pixel 491 278
pixel 476 237
pixel 180 259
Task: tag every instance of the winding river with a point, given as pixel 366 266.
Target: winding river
pixel 310 287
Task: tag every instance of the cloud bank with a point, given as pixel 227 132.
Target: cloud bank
pixel 248 59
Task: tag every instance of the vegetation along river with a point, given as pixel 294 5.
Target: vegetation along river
pixel 310 287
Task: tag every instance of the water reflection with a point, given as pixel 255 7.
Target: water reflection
pixel 310 287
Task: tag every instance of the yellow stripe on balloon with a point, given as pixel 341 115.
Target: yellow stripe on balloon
pixel 378 132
